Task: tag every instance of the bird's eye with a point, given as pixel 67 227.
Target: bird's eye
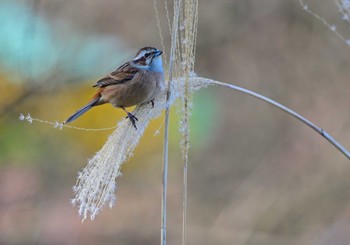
pixel 147 55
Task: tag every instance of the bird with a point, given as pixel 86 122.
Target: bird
pixel 135 82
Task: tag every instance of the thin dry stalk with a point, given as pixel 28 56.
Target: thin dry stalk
pixel 186 60
pixel 177 5
pixel 344 8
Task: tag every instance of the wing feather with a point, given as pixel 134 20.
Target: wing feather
pixel 122 74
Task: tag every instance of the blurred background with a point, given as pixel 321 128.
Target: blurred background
pixel 256 175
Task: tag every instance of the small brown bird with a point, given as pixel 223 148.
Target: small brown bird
pixel 136 82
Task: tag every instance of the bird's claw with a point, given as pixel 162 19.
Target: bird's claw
pixel 150 101
pixel 132 119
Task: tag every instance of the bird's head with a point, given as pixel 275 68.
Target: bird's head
pixel 149 58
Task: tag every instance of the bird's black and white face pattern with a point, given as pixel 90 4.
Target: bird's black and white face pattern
pixel 148 58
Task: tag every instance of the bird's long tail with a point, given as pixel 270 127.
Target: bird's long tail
pixel 84 109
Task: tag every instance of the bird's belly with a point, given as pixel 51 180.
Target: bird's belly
pixel 128 94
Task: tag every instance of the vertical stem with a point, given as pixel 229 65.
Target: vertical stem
pixel 166 126
pixel 184 201
pixel 165 174
pixel 185 164
pixel 188 40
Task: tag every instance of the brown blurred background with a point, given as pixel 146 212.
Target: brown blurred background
pixel 256 175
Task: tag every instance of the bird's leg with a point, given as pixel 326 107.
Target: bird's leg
pixel 152 102
pixel 131 117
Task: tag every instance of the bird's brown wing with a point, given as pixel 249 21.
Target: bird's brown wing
pixel 122 74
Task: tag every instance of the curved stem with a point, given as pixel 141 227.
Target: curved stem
pixel 319 130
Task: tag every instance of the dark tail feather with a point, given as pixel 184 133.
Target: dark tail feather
pixel 81 111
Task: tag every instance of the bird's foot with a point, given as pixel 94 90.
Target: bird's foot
pixel 150 101
pixel 132 119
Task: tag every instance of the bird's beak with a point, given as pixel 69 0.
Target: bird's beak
pixel 157 53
